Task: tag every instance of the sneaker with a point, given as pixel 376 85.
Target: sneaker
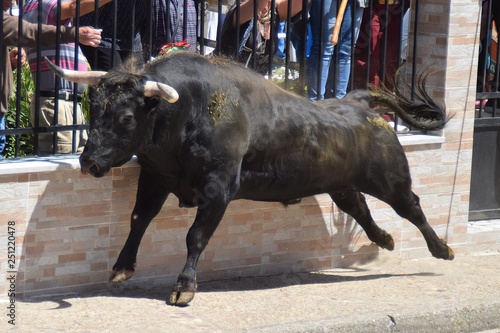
pixel 479 101
pixel 400 129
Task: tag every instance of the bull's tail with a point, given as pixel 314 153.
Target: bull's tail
pixel 421 112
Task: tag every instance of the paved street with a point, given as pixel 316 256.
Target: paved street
pixel 425 295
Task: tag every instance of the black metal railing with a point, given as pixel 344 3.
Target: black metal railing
pixel 141 16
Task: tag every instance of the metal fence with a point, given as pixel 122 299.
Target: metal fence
pixel 129 19
pixel 485 180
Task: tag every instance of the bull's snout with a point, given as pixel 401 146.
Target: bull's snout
pixel 89 166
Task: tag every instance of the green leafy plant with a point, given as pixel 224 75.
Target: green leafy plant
pixel 85 105
pixel 20 118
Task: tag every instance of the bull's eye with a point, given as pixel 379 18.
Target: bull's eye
pixel 127 119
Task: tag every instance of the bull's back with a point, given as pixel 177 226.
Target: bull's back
pixel 288 147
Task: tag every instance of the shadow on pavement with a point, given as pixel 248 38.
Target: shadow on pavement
pixel 160 293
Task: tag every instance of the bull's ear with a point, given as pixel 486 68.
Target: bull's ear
pixel 152 104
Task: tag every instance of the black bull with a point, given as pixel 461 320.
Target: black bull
pixel 232 134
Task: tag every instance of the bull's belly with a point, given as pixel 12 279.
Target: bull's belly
pixel 258 187
pixel 276 195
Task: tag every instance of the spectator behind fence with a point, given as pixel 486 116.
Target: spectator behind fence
pixel 70 57
pixel 322 48
pixel 29 34
pixel 174 32
pixel 486 75
pixel 382 31
pixel 131 20
pixel 264 44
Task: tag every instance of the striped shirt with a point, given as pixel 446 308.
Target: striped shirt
pixel 70 57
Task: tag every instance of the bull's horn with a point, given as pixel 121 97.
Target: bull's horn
pixel 153 88
pixel 84 77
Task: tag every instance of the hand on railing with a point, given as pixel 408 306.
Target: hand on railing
pixel 14 55
pixel 90 36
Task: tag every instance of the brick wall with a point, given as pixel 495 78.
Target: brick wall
pixel 70 229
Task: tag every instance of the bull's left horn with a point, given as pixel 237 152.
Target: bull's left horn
pixel 84 77
pixel 153 88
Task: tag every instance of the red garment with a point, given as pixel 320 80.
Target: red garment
pixel 377 65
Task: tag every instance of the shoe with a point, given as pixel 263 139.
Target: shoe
pixel 401 128
pixel 479 101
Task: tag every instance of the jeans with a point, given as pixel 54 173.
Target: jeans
pixel 296 42
pixel 3 138
pixel 280 52
pixel 321 40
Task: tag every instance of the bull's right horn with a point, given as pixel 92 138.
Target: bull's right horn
pixel 84 77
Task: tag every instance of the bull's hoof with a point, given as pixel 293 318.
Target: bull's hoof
pixel 444 252
pixel 386 242
pixel 448 254
pixel 451 254
pixel 181 298
pixel 121 275
pixel 183 292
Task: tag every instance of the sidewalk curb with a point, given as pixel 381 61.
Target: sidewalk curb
pixel 458 320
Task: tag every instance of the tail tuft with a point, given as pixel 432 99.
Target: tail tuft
pixel 420 111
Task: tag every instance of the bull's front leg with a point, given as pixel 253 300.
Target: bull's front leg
pixel 150 198
pixel 207 219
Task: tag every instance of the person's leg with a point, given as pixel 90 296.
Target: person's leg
pixel 82 135
pixel 280 52
pixel 309 40
pixel 393 45
pixel 65 117
pixel 65 138
pixel 350 26
pixel 177 29
pixel 321 48
pixel 358 18
pixel 361 52
pixel 375 48
pixel 295 38
pixel 45 118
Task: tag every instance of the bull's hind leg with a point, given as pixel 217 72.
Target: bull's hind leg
pixel 150 198
pixel 408 206
pixel 354 204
